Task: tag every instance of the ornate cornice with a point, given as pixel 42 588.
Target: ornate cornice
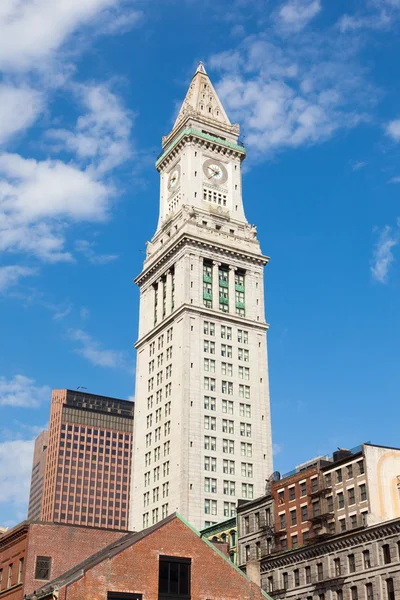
pixel 196 242
pixel 194 134
pixel 344 542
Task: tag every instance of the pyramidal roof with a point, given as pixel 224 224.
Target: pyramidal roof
pixel 202 99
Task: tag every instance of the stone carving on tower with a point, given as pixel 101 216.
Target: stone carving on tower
pixel 202 437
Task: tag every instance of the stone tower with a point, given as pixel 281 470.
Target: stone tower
pixel 202 433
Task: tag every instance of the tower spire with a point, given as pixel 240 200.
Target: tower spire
pixel 202 100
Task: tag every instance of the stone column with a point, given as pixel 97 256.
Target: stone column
pixel 232 295
pixel 160 291
pixel 168 300
pixel 215 285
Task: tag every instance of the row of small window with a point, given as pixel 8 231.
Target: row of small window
pixel 210 403
pixel 228 446
pixel 73 517
pixel 314 482
pixel 156 474
pixel 158 415
pixel 78 429
pixel 160 341
pixel 226 332
pixel 211 506
pixel 228 426
pixel 166 445
pixel 156 494
pixel 226 369
pixel 228 466
pixel 157 433
pixel 159 378
pixel 226 350
pixel 153 363
pixel 228 487
pixel 368 593
pixel 353 470
pixel 215 197
pixel 338 569
pixel 226 387
pixel 159 396
pixel 10 581
pixel 316 506
pixel 155 515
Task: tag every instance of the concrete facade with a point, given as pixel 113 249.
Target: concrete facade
pixel 88 464
pixel 202 418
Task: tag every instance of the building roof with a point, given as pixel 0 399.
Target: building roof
pixel 202 99
pixel 115 548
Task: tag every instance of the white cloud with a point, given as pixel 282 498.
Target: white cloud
pixel 87 249
pixel 394 180
pixel 290 96
pixel 84 313
pixel 39 198
pixel 358 164
pixel 102 135
pixel 383 254
pixel 22 391
pixel 392 129
pixel 32 31
pixel 11 274
pixel 15 471
pixel 95 354
pixel 19 108
pixel 294 15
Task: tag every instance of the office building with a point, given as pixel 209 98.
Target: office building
pixel 88 464
pixel 202 418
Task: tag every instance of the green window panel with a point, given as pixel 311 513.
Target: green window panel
pixel 224 301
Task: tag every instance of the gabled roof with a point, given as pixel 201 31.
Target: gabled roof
pixel 118 546
pixel 202 99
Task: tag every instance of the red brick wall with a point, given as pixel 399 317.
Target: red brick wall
pixel 12 549
pixel 66 544
pixel 136 570
pixel 296 503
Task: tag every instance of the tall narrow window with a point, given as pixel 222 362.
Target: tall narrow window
pixel 390 589
pixel 207 284
pixel 20 570
pixel 240 293
pixel 386 554
pixel 223 283
pixel 174 578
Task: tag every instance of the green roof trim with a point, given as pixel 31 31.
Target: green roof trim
pixel 204 136
pixel 222 555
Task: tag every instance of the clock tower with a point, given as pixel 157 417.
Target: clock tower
pixel 202 433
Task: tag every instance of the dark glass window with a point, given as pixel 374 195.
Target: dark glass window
pixel 43 566
pixel 174 578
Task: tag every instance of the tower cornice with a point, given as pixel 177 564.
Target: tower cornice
pixel 192 133
pixel 196 241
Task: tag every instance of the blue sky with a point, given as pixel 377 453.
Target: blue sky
pixel 87 89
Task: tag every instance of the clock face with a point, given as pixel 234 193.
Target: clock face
pixel 215 172
pixel 173 178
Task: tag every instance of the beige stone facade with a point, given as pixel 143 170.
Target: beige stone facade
pixel 202 417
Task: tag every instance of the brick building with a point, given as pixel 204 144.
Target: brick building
pixel 34 552
pixel 37 478
pixel 88 463
pixel 323 509
pixel 167 560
